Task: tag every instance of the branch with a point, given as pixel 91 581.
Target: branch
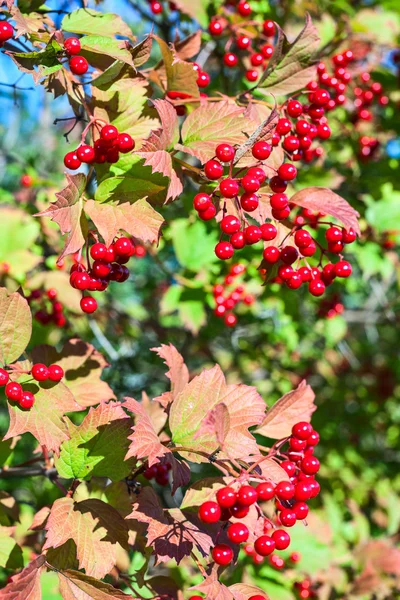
pixel 8 472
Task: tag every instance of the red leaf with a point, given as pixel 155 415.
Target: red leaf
pixel 145 442
pixel 216 423
pixel 297 405
pixel 178 372
pixel 323 200
pixel 214 589
pixel 67 213
pixel 26 584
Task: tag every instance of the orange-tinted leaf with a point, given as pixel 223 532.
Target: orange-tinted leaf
pixel 75 585
pixel 297 405
pixel 263 132
pixel 180 74
pixel 202 491
pixel 189 46
pixel 144 439
pixel 215 590
pixel 245 591
pixel 325 201
pixel 15 326
pixel 138 219
pixel 178 372
pixel 26 584
pixel 217 423
pixel 95 527
pixel 141 52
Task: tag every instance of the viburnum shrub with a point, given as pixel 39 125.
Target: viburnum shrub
pixel 204 470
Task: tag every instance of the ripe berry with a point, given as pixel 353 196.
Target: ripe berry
pixel 225 152
pixel 56 373
pixel 271 254
pixel 202 201
pixel 224 250
pixel 279 201
pixel 283 126
pixel 252 234
pixel 98 251
pixel 247 495
pixel 27 400
pixel 203 79
pixel 101 269
pixel 268 232
pixel 249 202
pixel 281 539
pixel 301 510
pixel 277 185
pixel 78 65
pixel 243 42
pixel 309 250
pixel 310 465
pixel 315 488
pixel 13 391
pixel 6 31
pixel 229 188
pixel 239 511
pixel 230 320
pixel 71 161
pixel 213 170
pixel 209 512
pixel 230 224
pixel 302 491
pixel 215 27
pixel 72 46
pixel 287 517
pixel 86 154
pixel 222 554
pixel 287 172
pixel 302 127
pixel 80 281
pixel 109 133
pixel 313 440
pixel 238 240
pixel 40 372
pixel 125 143
pixel 316 112
pixel 264 545
pixel 257 59
pixel 294 282
pixel 238 533
pixel 284 490
pixel 88 304
pixel 316 287
pixel 250 183
pixel 251 75
pixel 302 430
pixel 289 467
pixel 244 8
pixel 349 236
pixel 306 274
pixel 302 238
pixel 265 491
pixel 124 247
pixel 156 7
pixel 267 51
pixel 261 150
pixel 269 28
pixel 289 254
pixel 291 143
pixel 4 377
pixel 343 268
pixel 226 497
pixel 334 234
pixel 294 108
pixel 296 444
pixel 230 60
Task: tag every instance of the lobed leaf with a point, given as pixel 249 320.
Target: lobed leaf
pixel 75 585
pixel 178 372
pixel 144 439
pixel 92 22
pixel 180 75
pixel 15 326
pixel 26 584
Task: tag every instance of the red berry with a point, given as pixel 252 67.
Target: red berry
pixel 279 201
pixel 247 495
pixel 257 172
pixel 320 97
pixel 238 533
pixel 243 42
pixel 27 400
pixel 265 491
pixel 316 112
pixel 289 254
pixel 264 545
pixel 109 133
pixel 281 539
pixel 289 467
pixel 316 287
pixel 257 59
pixel 238 240
pixel 306 274
pixel 287 172
pixel 302 127
pixel 226 497
pixel 269 28
pixel 251 75
pixel 310 465
pixel 301 510
pixel 56 373
pixel 252 234
pixel 80 281
pixel 283 126
pixel 244 8
pixel 125 143
pixel 203 79
pixel 294 108
pixel 284 490
pixel 71 161
pixel 124 247
pixel 88 304
pixel 291 143
pixel 268 232
pixel 267 51
pixel 302 491
pixel 271 254
pixel 202 201
pixel 287 517
pixel 313 439
pixel 343 268
pixel 250 183
pixel 40 372
pixel 213 169
pixel 101 269
pixel 315 488
pixel 72 46
pixel 98 251
pixel 349 236
pixel 156 7
pixel 277 185
pixel 230 60
pixel 225 152
pixel 4 377
pixel 230 320
pixel 224 250
pixel 309 250
pixel 295 557
pixel 78 65
pixel 230 224
pixel 296 444
pixel 324 131
pixel 209 512
pixel 13 391
pixel 229 188
pixel 302 430
pixel 302 238
pixel 249 202
pixel 86 154
pixel 222 554
pixel 215 27
pixel 334 234
pixel 6 31
pixel 239 511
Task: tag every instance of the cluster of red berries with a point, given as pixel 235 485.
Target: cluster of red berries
pixel 47 308
pixel 331 307
pixel 108 265
pixel 105 149
pixel 304 589
pixel 158 472
pixel 78 64
pixel 250 49
pixel 14 390
pixel 156 7
pixel 6 32
pixel 290 499
pixel 276 561
pixel 227 296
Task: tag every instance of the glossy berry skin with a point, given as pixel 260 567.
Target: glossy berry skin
pixel 281 539
pixel 294 282
pixel 269 28
pixel 244 8
pixel 72 46
pixel 230 224
pixel 6 31
pixel 215 28
pixel 271 254
pixel 4 377
pixel 349 236
pixel 156 7
pixel 224 250
pixel 109 133
pixel 277 185
pixel 71 161
pixel 261 150
pixel 40 372
pixel 313 440
pixel 265 491
pixel 243 42
pixel 284 490
pixel 239 511
pixel 247 495
pixel 238 240
pixel 283 126
pixel 230 320
pixel 213 170
pixel 226 497
pixel 98 251
pixel 287 517
pixel 264 545
pixel 316 287
pixel 202 201
pixel 88 304
pixel 230 60
pixel 101 269
pixel 320 97
pixel 257 59
pixel 343 269
pixel 310 465
pixel 56 373
pixel 301 510
pixel 13 391
pixel 268 232
pixel 225 152
pixel 27 400
pixel 302 238
pixel 296 444
pixel 294 108
pixel 125 143
pixel 289 254
pixel 287 172
pixel 124 247
pixel 279 201
pixel 334 234
pixel 229 188
pixel 206 215
pixel 251 75
pixel 78 65
pixel 250 183
pixel 222 554
pixel 86 153
pixel 249 202
pixel 257 172
pixel 238 533
pixel 257 597
pixel 209 512
pixel 302 430
pixel 203 79
pixel 302 491
pixel 252 234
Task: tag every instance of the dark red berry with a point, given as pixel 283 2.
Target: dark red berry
pixel 277 185
pixel 239 511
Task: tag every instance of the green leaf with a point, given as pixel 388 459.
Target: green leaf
pixel 95 44
pixel 18 233
pixel 137 184
pixel 382 26
pixel 47 60
pixel 383 214
pixel 193 245
pixel 10 552
pixel 15 326
pixel 98 446
pixel 196 9
pixel 93 22
pixel 292 65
